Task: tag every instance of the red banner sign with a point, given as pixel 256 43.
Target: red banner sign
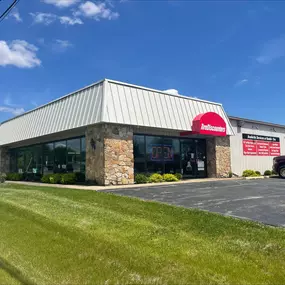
pixel 261 145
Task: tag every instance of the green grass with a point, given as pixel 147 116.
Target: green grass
pixel 61 236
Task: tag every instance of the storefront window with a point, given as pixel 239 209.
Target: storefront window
pixel 48 155
pixel 60 163
pixel 83 155
pixel 139 153
pixel 154 154
pixel 73 155
pixel 171 148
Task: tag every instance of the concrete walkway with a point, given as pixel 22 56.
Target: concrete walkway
pixel 125 187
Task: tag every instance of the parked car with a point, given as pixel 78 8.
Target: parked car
pixel 279 165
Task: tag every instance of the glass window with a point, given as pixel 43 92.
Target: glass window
pixel 83 155
pixel 73 155
pixel 154 154
pixel 139 153
pixel 171 153
pixel 48 158
pixel 13 160
pixel 36 160
pixel 60 154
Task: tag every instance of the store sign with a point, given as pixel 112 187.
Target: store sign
pixel 260 145
pixel 209 124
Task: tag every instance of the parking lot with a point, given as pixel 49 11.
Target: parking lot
pixel 261 200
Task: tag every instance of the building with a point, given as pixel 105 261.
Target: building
pixel 111 130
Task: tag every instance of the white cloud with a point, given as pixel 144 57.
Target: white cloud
pixel 272 50
pixel 43 18
pixel 70 21
pixel 14 111
pixel 172 91
pixel 16 15
pixel 61 45
pixel 61 3
pixel 18 53
pixel 96 11
pixel 241 82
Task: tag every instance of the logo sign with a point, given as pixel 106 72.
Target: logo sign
pixel 257 145
pixel 209 124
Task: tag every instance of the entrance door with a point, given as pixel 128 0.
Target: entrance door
pixel 193 158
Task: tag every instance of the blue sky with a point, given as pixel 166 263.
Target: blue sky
pixel 228 52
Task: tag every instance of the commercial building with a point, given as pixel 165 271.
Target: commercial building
pixel 111 130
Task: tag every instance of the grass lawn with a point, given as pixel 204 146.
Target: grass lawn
pixel 61 236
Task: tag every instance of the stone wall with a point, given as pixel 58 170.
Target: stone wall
pixel 4 160
pixel 218 156
pixel 109 154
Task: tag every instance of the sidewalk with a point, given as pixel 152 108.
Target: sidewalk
pixel 101 188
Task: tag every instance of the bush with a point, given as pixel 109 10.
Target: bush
pixel 14 176
pixel 68 178
pixel 267 172
pixel 169 177
pixel 55 178
pixel 250 173
pixel 80 177
pixel 178 176
pixel 156 178
pixel 230 174
pixel 141 179
pixel 258 173
pixel 46 178
pixel 2 177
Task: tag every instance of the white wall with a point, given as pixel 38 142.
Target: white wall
pixel 260 163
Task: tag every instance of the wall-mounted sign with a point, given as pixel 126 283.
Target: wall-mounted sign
pixel 209 123
pixel 260 145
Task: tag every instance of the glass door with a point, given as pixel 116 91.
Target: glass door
pixel 193 158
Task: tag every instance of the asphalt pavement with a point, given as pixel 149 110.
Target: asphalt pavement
pixel 260 200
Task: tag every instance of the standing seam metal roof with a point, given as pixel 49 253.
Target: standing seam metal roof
pixel 109 101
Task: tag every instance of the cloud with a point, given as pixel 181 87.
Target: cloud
pixel 61 45
pixel 43 18
pixel 8 102
pixel 14 111
pixel 96 11
pixel 70 21
pixel 61 3
pixel 171 91
pixel 272 50
pixel 241 82
pixel 16 15
pixel 18 53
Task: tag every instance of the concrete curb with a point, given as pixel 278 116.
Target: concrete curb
pixel 100 188
pixel 256 177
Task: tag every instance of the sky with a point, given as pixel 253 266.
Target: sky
pixel 231 52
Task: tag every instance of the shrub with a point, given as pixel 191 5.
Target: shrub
pixel 267 172
pixel 68 178
pixel 178 176
pixel 80 177
pixel 156 178
pixel 55 178
pixel 14 176
pixel 141 178
pixel 230 174
pixel 249 173
pixel 258 173
pixel 2 177
pixel 169 177
pixel 46 178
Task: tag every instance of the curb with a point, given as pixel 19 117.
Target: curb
pixel 256 177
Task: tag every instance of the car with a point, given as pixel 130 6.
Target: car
pixel 279 165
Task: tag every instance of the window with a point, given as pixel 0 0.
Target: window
pixel 73 155
pixel 171 149
pixel 83 155
pixel 48 158
pixel 139 154
pixel 154 154
pixel 60 157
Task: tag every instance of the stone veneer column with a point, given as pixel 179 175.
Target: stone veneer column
pixel 109 154
pixel 218 156
pixel 4 160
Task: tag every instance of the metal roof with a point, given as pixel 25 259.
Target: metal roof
pixel 256 122
pixel 109 101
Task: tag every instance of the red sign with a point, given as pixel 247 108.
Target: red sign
pixel 208 124
pixel 261 145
